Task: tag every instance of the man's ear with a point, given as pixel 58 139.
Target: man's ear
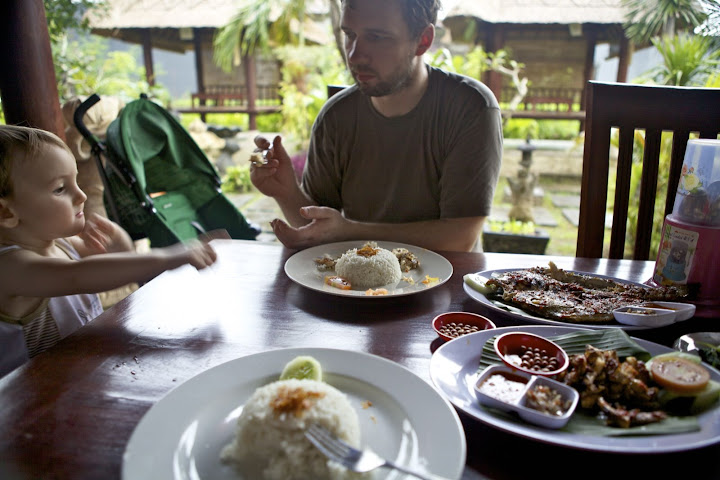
pixel 426 39
pixel 8 219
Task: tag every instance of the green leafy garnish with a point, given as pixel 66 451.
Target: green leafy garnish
pixel 709 353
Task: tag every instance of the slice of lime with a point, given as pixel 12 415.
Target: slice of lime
pixel 302 367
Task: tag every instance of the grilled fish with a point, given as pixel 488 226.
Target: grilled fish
pixel 556 294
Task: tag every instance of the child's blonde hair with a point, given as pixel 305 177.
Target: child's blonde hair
pixel 18 142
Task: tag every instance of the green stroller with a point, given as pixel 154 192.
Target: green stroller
pixel 158 183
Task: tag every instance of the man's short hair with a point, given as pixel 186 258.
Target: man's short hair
pixel 418 14
pixel 20 143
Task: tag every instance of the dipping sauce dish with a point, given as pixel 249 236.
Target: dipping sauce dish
pixel 642 316
pixel 451 325
pixel 531 354
pixel 537 400
pixel 683 311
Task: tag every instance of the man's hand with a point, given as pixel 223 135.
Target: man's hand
pixel 326 225
pixel 329 225
pixel 277 177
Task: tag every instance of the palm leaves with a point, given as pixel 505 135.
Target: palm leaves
pixel 247 30
pixel 711 27
pixel 260 24
pixel 687 60
pixel 649 18
pixel 257 25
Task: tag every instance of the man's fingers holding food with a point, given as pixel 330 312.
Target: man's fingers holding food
pixel 261 142
pixel 258 158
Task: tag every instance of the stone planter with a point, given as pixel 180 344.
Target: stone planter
pixel 515 243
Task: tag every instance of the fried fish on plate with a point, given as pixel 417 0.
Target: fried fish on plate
pixel 556 294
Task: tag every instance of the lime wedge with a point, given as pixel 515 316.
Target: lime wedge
pixel 302 367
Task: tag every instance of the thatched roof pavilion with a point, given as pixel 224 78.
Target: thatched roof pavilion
pixel 555 39
pixel 184 25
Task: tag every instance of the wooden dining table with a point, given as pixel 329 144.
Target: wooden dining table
pixel 70 412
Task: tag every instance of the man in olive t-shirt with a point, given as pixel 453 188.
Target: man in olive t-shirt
pixel 409 154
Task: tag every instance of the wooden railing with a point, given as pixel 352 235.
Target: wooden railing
pixel 546 103
pixel 235 99
pixel 225 97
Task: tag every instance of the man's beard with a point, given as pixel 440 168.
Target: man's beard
pixel 398 80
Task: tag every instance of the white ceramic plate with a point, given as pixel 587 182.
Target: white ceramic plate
pixel 182 435
pixel 301 268
pixel 523 316
pixel 454 371
pixel 644 317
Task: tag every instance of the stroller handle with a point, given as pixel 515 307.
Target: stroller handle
pixel 78 119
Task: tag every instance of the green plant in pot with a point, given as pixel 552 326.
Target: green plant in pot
pixel 514 236
pixel 519 234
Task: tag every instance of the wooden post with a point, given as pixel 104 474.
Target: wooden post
pixel 27 77
pixel 199 72
pixel 589 70
pixel 626 51
pixel 494 41
pixel 147 55
pixel 251 85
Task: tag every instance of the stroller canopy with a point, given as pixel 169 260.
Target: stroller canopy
pixel 161 183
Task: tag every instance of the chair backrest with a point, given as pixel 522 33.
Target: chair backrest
pixel 654 109
pixel 333 89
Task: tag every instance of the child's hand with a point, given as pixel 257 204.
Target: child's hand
pixel 97 234
pixel 218 234
pixel 199 254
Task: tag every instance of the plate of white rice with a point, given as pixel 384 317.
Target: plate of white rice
pixel 400 416
pixel 373 276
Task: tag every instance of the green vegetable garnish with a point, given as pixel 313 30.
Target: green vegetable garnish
pixel 477 283
pixel 709 353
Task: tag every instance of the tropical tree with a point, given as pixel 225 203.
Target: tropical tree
pixel 476 62
pixel 649 18
pixel 711 26
pixel 84 64
pixel 64 15
pixel 306 72
pixel 262 23
pixel 688 60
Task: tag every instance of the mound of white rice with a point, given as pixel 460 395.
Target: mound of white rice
pixel 363 270
pixel 270 431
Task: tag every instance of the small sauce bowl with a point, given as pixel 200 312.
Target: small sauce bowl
pixel 683 311
pixel 451 325
pixel 531 354
pixel 641 316
pixel 510 390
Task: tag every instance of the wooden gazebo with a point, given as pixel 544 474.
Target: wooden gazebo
pixel 189 25
pixel 556 41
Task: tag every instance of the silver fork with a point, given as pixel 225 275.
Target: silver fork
pixel 352 458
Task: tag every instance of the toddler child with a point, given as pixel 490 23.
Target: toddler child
pixel 53 260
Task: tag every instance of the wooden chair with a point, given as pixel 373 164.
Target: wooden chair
pixel 654 109
pixel 333 89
